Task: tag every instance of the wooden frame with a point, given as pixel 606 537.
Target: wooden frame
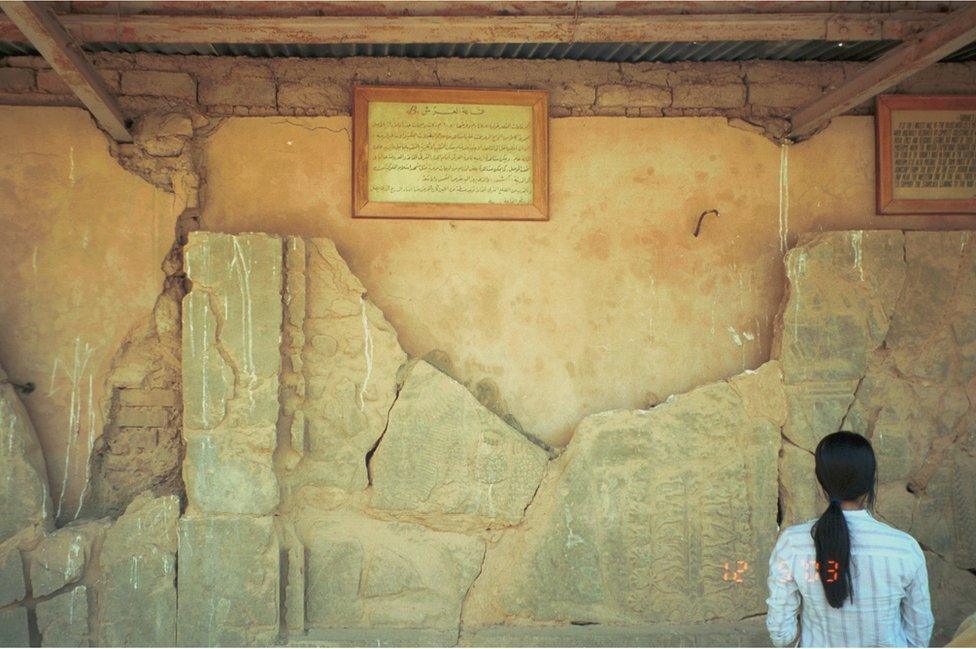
pixel 537 210
pixel 887 203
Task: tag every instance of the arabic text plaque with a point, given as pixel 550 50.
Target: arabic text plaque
pixel 926 154
pixel 450 153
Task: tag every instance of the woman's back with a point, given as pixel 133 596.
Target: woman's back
pixel 889 606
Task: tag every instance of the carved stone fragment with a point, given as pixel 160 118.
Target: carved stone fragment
pixel 443 452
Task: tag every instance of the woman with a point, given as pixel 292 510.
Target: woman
pixel 854 581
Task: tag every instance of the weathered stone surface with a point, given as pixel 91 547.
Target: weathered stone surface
pixel 443 452
pixel 60 558
pixel 799 492
pixel 365 573
pixel 24 497
pixel 231 360
pixel 922 345
pixel 642 514
pixel 345 360
pixel 876 338
pixel 746 633
pixel 136 594
pixel 953 594
pixel 14 630
pixel 12 586
pixel 63 620
pixel 228 581
pixel 842 288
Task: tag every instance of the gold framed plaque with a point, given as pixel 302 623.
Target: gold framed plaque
pixel 450 153
pixel 926 157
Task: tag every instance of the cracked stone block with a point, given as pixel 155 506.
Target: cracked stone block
pixel 443 452
pixel 14 629
pixel 816 409
pixel 231 360
pixel 349 358
pixel 24 497
pixel 12 586
pixel 60 558
pixel 661 515
pixel 228 588
pixel 63 620
pixel 798 489
pixel 842 289
pixel 364 573
pixel 922 345
pixel 902 377
pixel 229 476
pixel 136 593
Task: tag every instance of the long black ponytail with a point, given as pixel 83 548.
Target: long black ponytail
pixel 846 469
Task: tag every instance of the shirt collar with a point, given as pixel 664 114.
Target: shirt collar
pixel 857 513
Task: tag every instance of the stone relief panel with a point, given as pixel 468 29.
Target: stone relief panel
pixel 364 573
pixel 664 515
pixel 341 359
pixel 231 360
pixel 897 308
pixel 445 453
pixel 337 491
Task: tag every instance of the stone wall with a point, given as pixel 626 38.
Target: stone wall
pixel 758 92
pixel 340 492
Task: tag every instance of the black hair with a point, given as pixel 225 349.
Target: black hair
pixel 846 469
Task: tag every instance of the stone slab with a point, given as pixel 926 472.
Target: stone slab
pixel 136 594
pixel 228 581
pixel 364 573
pixel 647 515
pixel 14 629
pixel 232 321
pixel 63 620
pixel 445 453
pixel 12 586
pixel 349 360
pixel 24 497
pixel 60 558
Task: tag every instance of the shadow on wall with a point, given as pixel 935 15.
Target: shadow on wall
pixel 341 492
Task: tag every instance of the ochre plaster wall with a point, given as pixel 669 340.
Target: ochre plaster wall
pixel 612 303
pixel 81 245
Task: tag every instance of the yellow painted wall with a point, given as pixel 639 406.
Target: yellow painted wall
pixel 610 304
pixel 81 241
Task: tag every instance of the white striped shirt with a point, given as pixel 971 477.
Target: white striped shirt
pixel 890 606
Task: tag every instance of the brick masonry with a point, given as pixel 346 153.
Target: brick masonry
pixel 218 86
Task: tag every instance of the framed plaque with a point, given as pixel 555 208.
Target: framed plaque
pixel 450 153
pixel 926 158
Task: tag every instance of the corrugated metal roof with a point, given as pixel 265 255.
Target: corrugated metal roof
pixel 664 52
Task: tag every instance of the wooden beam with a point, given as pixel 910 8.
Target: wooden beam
pixel 189 29
pixel 55 45
pixel 957 30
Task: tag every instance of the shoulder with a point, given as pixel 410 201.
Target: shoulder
pixel 892 535
pixel 795 536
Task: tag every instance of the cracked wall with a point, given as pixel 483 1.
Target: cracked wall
pixel 612 303
pixel 82 245
pixel 652 527
pixel 651 522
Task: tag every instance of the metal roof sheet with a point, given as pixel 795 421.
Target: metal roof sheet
pixel 664 52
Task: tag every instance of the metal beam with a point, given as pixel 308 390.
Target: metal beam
pixel 956 30
pixel 594 28
pixel 44 31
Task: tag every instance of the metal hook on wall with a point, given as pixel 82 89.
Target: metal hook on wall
pixel 25 388
pixel 701 218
